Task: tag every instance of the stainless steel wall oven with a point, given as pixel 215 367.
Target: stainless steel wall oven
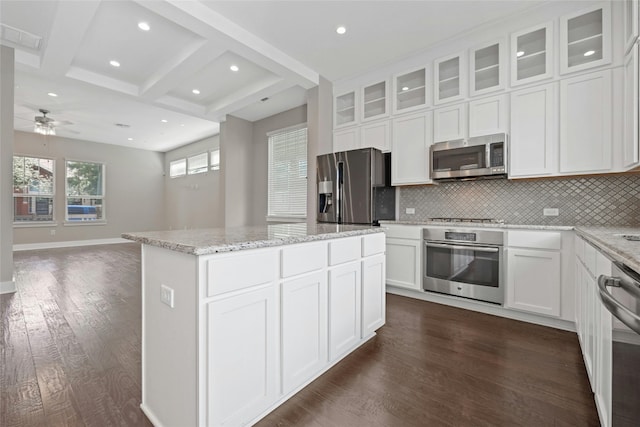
pixel 464 262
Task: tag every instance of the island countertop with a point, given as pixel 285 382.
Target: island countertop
pixel 215 240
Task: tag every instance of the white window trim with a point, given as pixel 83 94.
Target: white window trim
pixel 101 221
pixel 27 224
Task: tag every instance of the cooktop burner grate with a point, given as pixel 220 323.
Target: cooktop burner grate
pixel 471 220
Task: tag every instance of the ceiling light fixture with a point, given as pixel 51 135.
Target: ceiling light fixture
pixel 589 52
pixel 52 94
pixel 129 139
pixel 144 26
pixel 163 121
pixel 114 63
pixel 519 53
pixel 196 91
pixel 405 88
pixel 341 30
pixel 234 68
pixel 44 124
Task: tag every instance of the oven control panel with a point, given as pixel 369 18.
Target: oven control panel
pixel 456 235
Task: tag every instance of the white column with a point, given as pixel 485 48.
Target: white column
pixel 7 60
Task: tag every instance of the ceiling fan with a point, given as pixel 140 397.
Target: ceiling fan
pixel 43 124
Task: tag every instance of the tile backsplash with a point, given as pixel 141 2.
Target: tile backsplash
pixel 604 200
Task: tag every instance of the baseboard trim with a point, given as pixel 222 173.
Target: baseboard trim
pixel 8 287
pixel 67 244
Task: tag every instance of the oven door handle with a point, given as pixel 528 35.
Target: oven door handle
pixel 464 248
pixel 625 315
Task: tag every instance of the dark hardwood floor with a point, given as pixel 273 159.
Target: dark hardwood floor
pixel 70 355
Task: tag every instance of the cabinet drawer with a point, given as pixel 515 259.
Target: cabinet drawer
pixel 403 231
pixel 344 250
pixel 303 258
pixel 535 239
pixel 235 272
pixel 373 244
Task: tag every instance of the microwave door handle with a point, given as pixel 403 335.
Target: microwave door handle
pixel 487 158
pixel 464 248
pixel 625 315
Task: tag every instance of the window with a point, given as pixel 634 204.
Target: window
pixel 33 189
pixel 85 191
pixel 215 160
pixel 197 164
pixel 178 168
pixel 287 186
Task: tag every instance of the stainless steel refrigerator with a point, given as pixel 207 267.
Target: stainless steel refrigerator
pixel 354 187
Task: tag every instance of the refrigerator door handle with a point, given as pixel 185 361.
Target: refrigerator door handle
pixel 339 186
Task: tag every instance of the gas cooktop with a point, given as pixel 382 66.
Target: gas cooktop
pixel 470 220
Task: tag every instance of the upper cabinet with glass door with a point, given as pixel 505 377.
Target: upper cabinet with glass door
pixel 374 101
pixel 585 39
pixel 449 78
pixel 531 56
pixel 345 109
pixel 410 91
pixel 630 24
pixel 487 68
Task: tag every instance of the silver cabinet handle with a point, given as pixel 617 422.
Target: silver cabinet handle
pixel 464 248
pixel 625 315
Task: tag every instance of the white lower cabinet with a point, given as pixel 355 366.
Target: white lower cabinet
pixel 533 281
pixel 403 263
pixel 304 328
pixel 242 356
pixel 373 294
pixel 344 308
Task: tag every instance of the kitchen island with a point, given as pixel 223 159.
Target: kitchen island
pixel 236 321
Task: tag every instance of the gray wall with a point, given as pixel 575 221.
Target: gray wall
pixel 612 200
pixel 236 157
pixel 134 192
pixel 6 168
pixel 260 156
pixel 194 201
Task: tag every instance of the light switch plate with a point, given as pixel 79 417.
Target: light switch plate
pixel 550 212
pixel 410 211
pixel 166 295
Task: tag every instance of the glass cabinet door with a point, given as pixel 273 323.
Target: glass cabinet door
pixel 410 90
pixel 448 79
pixel 585 39
pixel 487 68
pixel 630 24
pixel 345 109
pixel 374 102
pixel 531 56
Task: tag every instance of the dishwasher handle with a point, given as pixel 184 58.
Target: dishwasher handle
pixel 625 315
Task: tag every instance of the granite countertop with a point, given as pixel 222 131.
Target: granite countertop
pixel 609 240
pixel 482 225
pixel 215 240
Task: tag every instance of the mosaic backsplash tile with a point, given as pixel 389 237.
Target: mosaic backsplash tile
pixel 605 200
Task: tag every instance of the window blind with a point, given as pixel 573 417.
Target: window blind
pixel 287 182
pixel 197 163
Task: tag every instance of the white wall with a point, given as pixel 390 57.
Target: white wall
pixel 194 201
pixel 134 191
pixel 236 154
pixel 6 168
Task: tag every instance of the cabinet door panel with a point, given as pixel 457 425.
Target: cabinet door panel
pixel 304 329
pixel 373 294
pixel 488 116
pixel 533 281
pixel 410 150
pixel 376 135
pixel 585 123
pixel 585 39
pixel 531 54
pixel 630 137
pixel 450 123
pixel 345 293
pixel 242 364
pixel 403 263
pixel 630 24
pixel 345 140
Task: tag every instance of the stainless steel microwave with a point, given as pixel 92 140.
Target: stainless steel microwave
pixel 466 158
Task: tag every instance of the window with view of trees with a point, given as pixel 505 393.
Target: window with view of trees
pixel 33 189
pixel 85 191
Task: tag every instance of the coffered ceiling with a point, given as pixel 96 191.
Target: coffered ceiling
pixel 280 49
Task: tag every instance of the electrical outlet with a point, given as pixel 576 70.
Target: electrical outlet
pixel 166 295
pixel 410 211
pixel 551 212
pixel 53 232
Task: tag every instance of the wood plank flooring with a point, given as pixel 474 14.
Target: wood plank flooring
pixel 70 355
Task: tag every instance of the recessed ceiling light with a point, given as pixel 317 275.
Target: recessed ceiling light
pixel 144 26
pixel 234 68
pixel 114 63
pixel 181 124
pixel 341 30
pixel 405 88
pixel 589 52
pixel 519 53
pixel 52 94
pixel 129 139
pixel 163 121
pixel 196 91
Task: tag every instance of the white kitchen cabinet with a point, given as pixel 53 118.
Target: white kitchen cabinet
pixel 346 139
pixel 377 135
pixel 486 68
pixel 345 322
pixel 373 294
pixel 412 138
pixel 410 90
pixel 585 39
pixel 304 328
pixel 534 129
pixel 242 360
pixel 488 116
pixel 450 123
pixel 375 101
pixel 604 356
pixel 531 54
pixel 630 147
pixel 631 18
pixel 585 123
pixel 449 78
pixel 533 281
pixel 404 256
pixel 345 107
